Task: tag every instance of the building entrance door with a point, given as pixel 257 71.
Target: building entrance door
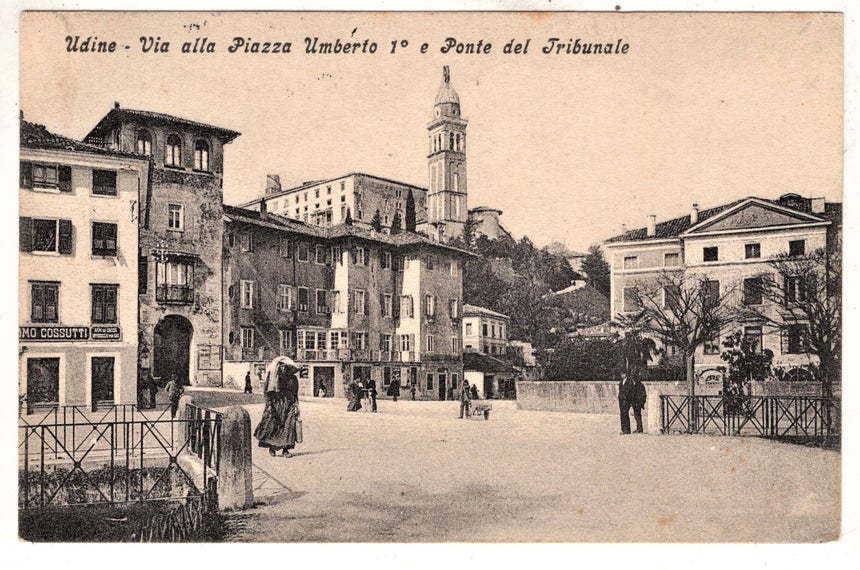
pixel 102 381
pixel 488 386
pixel 324 381
pixel 443 387
pixel 172 349
pixel 43 383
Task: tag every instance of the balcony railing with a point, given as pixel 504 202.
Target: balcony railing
pixel 175 294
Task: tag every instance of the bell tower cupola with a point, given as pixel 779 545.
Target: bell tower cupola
pixel 447 209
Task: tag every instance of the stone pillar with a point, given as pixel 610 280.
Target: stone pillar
pixel 235 479
pixel 652 418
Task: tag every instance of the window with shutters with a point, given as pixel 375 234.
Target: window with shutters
pixel 335 302
pixel 796 287
pixel 285 342
pixel 793 339
pixel 406 342
pixel 247 299
pixel 46 177
pixel 285 296
pixel 104 182
pixel 359 341
pixel 304 299
pixel 360 302
pixel 431 343
pixel 385 302
pixel 385 342
pixel 322 254
pixel 44 301
pixel 104 239
pixel 385 260
pixel 753 288
pixel 754 335
pixel 246 242
pixel 104 303
pixel 303 254
pixel 46 235
pixel 406 308
pixel 285 248
pixel 247 338
pixel 454 308
pixel 430 305
pixel 322 302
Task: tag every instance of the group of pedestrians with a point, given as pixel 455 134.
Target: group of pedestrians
pixel 467 394
pixel 358 390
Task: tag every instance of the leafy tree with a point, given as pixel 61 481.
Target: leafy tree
pixel 409 221
pixel 684 311
pixel 597 269
pixel 805 293
pixel 348 219
pixel 747 363
pixel 376 222
pixel 396 224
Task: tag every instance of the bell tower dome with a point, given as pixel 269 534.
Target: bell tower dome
pixel 446 197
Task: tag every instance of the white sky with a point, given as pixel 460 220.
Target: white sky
pixel 704 108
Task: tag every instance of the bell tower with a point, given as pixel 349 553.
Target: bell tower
pixel 446 197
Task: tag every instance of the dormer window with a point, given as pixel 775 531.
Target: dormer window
pixel 173 151
pixel 201 156
pixel 144 143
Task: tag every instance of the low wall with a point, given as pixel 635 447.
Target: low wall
pixel 221 398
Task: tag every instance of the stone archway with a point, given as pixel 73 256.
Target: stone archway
pixel 172 349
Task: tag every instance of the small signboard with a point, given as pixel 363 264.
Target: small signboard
pixel 105 333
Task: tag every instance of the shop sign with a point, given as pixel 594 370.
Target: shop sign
pixel 57 333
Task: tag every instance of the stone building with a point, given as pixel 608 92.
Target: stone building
pixel 77 282
pixel 344 301
pixel 729 246
pixel 180 230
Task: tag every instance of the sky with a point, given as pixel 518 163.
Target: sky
pixel 703 108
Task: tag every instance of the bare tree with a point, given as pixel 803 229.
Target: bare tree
pixel 681 310
pixel 804 300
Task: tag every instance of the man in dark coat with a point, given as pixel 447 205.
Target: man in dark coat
pixel 371 390
pixel 625 401
pixel 248 389
pixel 639 397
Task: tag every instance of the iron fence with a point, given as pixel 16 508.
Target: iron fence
pixel 777 417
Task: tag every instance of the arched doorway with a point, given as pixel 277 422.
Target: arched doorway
pixel 172 348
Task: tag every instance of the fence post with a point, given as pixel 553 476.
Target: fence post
pixel 235 479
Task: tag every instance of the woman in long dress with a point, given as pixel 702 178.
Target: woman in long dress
pixel 353 394
pixel 277 427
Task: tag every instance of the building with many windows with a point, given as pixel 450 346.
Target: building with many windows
pixel 728 247
pixel 77 287
pixel 485 331
pixel 343 301
pixel 180 226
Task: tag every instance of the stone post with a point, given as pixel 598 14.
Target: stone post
pixel 235 479
pixel 652 411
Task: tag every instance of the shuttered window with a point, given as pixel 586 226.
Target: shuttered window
pixel 44 299
pixel 104 239
pixel 104 303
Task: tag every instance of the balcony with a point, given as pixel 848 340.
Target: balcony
pixel 174 294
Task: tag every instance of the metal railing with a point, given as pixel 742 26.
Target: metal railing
pixel 179 294
pixel 204 435
pixel 777 417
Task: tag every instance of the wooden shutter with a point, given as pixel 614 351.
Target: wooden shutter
pixel 64 178
pixel 382 304
pixel 65 237
pixel 98 304
pixel 783 340
pixel 142 273
pixel 25 234
pixel 395 306
pixel 26 175
pixel 366 304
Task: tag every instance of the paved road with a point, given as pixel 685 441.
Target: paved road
pixel 414 472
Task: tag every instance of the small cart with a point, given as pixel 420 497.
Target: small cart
pixel 481 411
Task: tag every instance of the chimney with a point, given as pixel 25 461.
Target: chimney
pixel 652 225
pixel 264 210
pixel 273 183
pixel 116 104
pixel 816 205
pixel 694 214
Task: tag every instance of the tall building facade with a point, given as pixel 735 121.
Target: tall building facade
pixel 728 246
pixel 345 302
pixel 180 229
pixel 447 208
pixel 77 287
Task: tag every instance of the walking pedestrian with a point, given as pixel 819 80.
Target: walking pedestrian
pixel 639 397
pixel 353 395
pixel 394 389
pixel 371 389
pixel 248 389
pixel 277 429
pixel 625 401
pixel 412 391
pixel 465 400
pixel 474 392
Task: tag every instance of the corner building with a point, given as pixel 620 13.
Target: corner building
pixel 77 283
pixel 181 228
pixel 343 301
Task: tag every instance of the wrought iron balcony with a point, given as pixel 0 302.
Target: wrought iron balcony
pixel 174 294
